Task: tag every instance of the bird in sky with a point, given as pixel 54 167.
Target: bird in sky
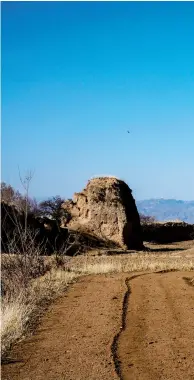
pixel 128 132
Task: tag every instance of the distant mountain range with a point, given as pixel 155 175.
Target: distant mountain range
pixel 167 209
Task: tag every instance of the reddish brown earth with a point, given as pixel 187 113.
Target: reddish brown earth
pixel 81 337
pixel 158 341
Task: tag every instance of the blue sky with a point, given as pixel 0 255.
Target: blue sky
pixel 77 75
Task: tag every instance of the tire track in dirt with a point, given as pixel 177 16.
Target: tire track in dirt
pixel 114 347
pixel 157 336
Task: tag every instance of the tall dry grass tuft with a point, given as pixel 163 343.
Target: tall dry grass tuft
pixel 29 284
pixel 18 270
pixel 21 312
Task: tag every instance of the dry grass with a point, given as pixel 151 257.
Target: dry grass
pixel 20 314
pixel 18 270
pixel 132 263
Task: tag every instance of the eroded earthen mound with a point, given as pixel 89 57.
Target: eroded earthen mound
pixel 106 209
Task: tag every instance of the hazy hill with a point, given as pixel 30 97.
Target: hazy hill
pixel 167 209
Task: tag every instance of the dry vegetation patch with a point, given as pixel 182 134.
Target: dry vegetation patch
pixel 131 263
pixel 25 298
pixel 176 256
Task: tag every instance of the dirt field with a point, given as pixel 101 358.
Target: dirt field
pixel 119 326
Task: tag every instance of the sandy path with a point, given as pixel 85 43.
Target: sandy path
pixel 158 340
pixel 75 337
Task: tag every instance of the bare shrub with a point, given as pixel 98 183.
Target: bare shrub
pixel 13 197
pixel 145 219
pixel 20 314
pixel 8 194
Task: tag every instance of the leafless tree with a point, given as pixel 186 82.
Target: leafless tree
pixel 7 193
pixel 25 181
pixel 51 208
pixel 145 219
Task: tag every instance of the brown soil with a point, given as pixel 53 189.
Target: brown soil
pixel 158 340
pixel 91 333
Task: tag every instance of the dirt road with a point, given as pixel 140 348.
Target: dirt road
pixel 75 336
pixel 81 337
pixel 158 339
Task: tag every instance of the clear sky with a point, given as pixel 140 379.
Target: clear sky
pixel 76 76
